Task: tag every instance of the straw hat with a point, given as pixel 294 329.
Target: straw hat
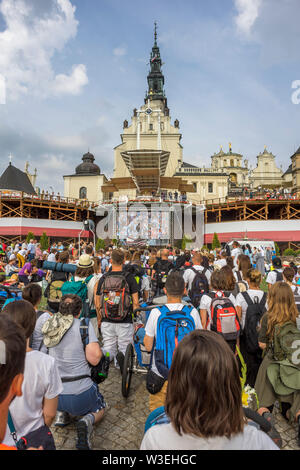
pixel 85 261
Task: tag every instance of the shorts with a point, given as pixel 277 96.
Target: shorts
pixel 90 401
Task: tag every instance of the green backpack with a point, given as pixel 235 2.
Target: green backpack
pixel 286 342
pixel 78 288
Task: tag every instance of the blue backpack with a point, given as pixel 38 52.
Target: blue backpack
pixel 157 416
pixel 172 327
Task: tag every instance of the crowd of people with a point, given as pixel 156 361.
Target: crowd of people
pixel 209 309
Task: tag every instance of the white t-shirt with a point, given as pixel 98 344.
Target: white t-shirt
pixel 151 326
pixel 165 437
pixel 235 253
pixel 189 275
pixel 51 258
pixel 220 262
pixel 37 335
pixel 205 304
pixel 241 302
pixel 272 276
pixel 41 380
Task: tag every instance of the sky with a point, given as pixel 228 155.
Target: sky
pixel 74 70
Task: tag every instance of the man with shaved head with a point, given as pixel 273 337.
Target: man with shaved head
pixel 160 271
pixel 196 273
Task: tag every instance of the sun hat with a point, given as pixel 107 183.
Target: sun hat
pixel 286 264
pixel 85 261
pixel 12 257
pixel 55 328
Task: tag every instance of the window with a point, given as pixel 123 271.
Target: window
pixel 150 127
pixel 83 193
pixel 210 187
pixel 231 162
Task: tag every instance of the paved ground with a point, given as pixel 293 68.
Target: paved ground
pixel 123 425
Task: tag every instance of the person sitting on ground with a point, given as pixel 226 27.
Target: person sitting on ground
pixel 174 290
pixel 277 365
pixel 203 401
pixel 28 270
pixel 35 410
pixel 11 370
pixel 11 267
pixel 80 395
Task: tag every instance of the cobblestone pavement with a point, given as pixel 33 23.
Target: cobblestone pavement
pixel 123 424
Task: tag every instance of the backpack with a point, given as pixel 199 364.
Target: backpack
pixel 199 287
pixel 99 372
pixel 115 298
pixel 78 288
pixel 279 276
pixel 297 298
pixel 138 272
pixel 172 327
pixel 242 285
pixel 162 274
pixel 254 313
pixel 284 338
pixel 53 291
pixel 224 318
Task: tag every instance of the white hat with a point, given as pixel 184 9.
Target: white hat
pixel 12 257
pixel 85 261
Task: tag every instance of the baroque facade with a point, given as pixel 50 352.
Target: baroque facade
pixel 149 160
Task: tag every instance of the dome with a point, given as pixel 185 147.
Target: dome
pixel 88 167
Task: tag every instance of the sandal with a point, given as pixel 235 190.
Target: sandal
pixel 274 434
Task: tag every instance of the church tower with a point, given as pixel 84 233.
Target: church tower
pixel 150 135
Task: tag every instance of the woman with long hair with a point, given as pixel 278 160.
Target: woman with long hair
pixel 248 303
pixel 203 402
pixel 282 312
pixel 244 265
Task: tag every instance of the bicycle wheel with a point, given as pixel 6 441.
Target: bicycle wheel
pixel 127 370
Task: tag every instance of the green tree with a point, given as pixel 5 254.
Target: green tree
pixel 100 245
pixel 44 241
pixel 289 252
pixel 216 242
pixel 185 241
pixel 277 250
pixel 30 236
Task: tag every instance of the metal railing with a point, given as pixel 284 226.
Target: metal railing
pixel 18 195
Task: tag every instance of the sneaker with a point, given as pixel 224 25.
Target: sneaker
pixel 62 419
pixel 84 431
pixel 120 358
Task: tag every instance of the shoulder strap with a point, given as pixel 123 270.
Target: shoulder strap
pixel 239 276
pixel 247 298
pixel 187 309
pixel 164 309
pixel 84 331
pixel 12 428
pixel 263 300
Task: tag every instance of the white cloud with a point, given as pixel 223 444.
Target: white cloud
pixel 71 84
pixel 120 51
pixel 33 34
pixel 248 11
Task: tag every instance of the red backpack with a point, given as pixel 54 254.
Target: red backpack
pixel 224 318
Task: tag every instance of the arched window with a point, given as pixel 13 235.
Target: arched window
pixel 83 193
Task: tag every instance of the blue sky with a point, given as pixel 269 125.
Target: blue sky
pixel 75 69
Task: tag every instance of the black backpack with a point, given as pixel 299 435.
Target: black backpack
pixel 162 272
pixel 254 313
pixel 279 276
pixel 199 287
pixel 138 272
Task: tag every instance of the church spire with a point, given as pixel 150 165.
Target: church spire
pixel 155 77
